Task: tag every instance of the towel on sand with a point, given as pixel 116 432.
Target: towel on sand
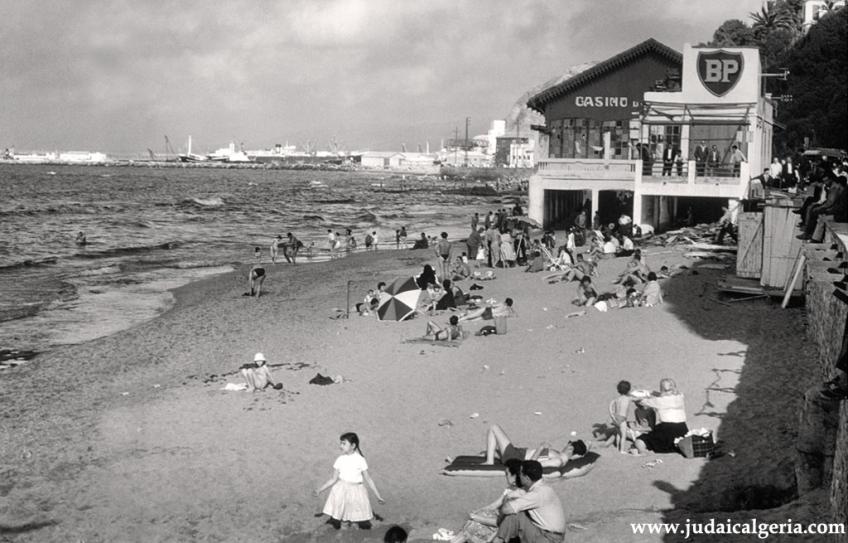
pixel 472 466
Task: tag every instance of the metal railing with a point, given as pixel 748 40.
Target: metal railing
pixel 587 168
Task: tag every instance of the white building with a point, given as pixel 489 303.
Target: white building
pixel 82 157
pixel 381 159
pixel 522 155
pixel 498 129
pixel 815 9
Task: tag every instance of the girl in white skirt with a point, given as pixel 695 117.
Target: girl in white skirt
pixel 348 499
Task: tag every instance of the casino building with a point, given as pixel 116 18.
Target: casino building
pixel 624 134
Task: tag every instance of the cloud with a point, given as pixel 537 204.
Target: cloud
pixel 117 76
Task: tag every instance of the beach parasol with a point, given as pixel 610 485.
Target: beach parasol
pixel 399 300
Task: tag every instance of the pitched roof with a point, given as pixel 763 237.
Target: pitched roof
pixel 540 100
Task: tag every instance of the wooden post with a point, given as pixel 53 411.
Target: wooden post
pixel 790 286
pixel 347 304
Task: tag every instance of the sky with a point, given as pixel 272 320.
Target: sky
pixel 119 76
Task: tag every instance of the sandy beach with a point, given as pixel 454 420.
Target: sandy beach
pixel 130 437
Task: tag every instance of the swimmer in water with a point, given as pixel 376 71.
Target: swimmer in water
pixel 80 239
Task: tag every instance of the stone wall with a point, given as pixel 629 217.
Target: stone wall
pixel 826 317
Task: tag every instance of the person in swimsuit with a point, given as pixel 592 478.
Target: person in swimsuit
pixel 443 253
pixel 80 239
pixel 275 245
pixel 257 375
pixel 453 331
pixel 497 442
pixel 291 248
pixel 257 274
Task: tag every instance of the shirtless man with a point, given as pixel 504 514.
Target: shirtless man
pixel 497 442
pixel 291 247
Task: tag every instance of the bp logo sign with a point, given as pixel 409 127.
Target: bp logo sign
pixel 719 71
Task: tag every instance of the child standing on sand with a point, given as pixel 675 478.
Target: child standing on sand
pixel 348 499
pixel 618 415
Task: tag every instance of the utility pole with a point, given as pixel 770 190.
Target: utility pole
pixel 455 139
pixel 467 120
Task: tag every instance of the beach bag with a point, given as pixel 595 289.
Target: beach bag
pixel 694 445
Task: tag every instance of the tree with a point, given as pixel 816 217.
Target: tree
pixel 771 17
pixel 733 33
pixel 818 83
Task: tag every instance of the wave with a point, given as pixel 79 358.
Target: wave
pixel 30 263
pixel 94 272
pixel 190 265
pixel 120 251
pixel 214 201
pixel 62 209
pixel 313 218
pixel 130 223
pixel 365 216
pixel 336 201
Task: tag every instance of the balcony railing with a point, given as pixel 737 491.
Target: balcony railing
pixel 587 168
pixel 651 172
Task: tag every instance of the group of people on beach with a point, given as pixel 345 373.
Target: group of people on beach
pixel 528 509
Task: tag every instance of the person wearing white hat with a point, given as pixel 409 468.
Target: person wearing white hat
pixel 257 375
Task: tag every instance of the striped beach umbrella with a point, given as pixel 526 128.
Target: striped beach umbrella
pixel 399 300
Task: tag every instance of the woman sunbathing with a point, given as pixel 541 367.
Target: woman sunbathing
pixel 453 331
pixel 498 443
pixel 491 311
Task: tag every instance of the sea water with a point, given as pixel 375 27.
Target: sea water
pixel 150 230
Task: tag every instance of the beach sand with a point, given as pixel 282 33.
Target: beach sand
pixel 130 437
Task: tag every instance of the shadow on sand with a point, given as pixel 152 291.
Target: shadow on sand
pixel 753 468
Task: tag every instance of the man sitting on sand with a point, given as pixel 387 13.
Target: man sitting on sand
pixel 535 516
pixel 498 443
pixel 257 375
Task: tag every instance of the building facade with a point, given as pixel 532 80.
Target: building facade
pixel 591 118
pixel 648 160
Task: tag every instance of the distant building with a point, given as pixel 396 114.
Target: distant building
pixel 815 9
pixel 391 160
pixel 522 154
pixel 497 130
pixel 505 148
pixel 81 157
pixel 381 159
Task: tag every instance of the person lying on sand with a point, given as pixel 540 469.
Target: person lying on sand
pixel 257 375
pixel 453 331
pixel 499 444
pixel 491 311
